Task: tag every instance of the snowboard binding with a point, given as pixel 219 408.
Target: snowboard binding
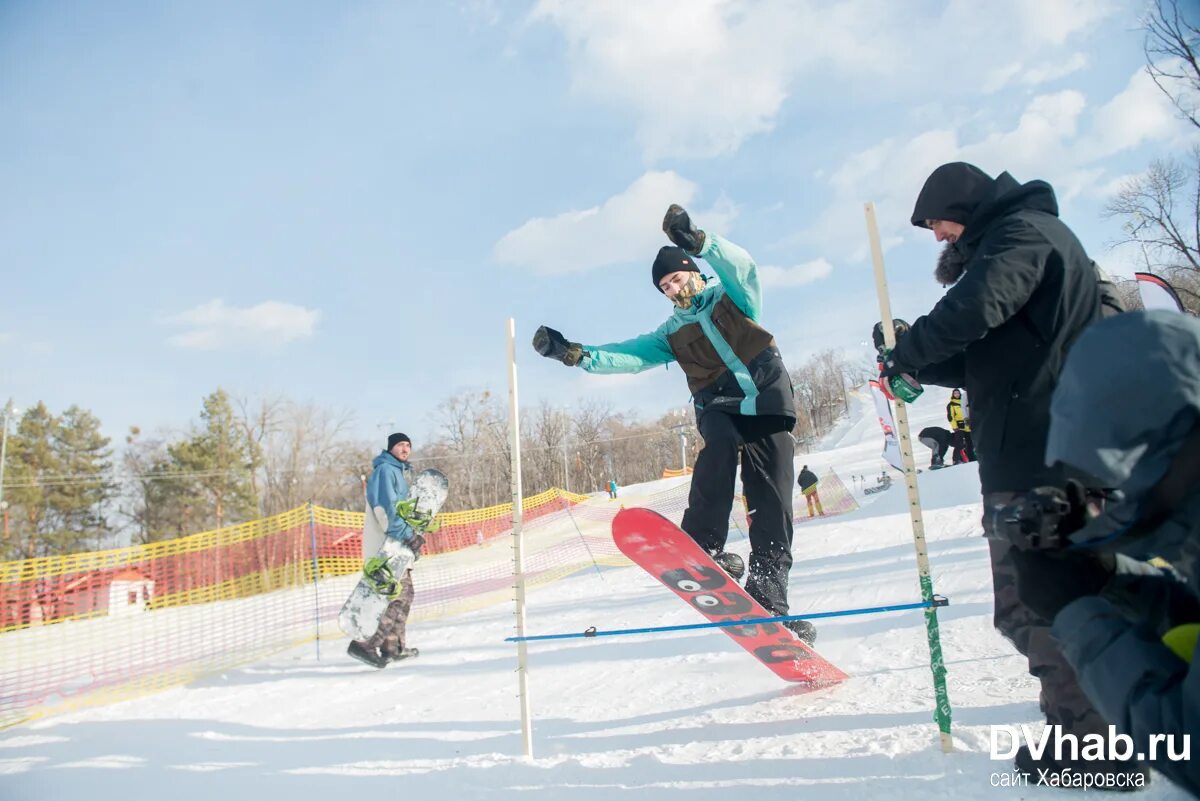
pixel 378 574
pixel 419 520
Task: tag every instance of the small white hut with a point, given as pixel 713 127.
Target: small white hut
pixel 130 592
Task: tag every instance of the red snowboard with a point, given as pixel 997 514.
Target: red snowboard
pixel 666 552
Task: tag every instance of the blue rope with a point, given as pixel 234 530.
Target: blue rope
pixel 592 632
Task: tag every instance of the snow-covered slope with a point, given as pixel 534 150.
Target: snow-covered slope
pixel 680 715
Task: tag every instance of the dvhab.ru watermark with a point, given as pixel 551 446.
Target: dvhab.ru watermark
pixel 1067 750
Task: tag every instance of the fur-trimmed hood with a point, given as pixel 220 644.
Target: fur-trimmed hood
pixel 950 265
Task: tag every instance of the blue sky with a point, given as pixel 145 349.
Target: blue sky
pixel 345 202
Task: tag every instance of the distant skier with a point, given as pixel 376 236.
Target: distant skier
pixel 742 396
pixel 938 440
pixel 960 425
pixel 389 482
pixel 808 488
pixel 612 488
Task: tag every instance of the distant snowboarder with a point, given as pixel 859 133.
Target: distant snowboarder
pixel 389 482
pixel 938 440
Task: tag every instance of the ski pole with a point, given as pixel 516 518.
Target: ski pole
pixel 938 600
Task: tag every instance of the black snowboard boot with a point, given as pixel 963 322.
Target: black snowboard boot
pixel 368 655
pixel 803 629
pixel 1110 774
pixel 731 563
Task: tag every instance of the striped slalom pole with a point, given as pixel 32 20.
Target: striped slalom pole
pixel 937 664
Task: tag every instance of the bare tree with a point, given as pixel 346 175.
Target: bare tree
pixel 1160 209
pixel 1172 46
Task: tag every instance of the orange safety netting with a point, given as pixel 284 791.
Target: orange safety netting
pixel 98 627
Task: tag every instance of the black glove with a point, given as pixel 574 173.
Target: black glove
pixel 898 325
pixel 554 345
pixel 1043 518
pixel 677 225
pixel 887 364
pixel 1158 603
pixel 1049 580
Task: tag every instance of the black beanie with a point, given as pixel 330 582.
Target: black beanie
pixel 671 260
pixel 395 438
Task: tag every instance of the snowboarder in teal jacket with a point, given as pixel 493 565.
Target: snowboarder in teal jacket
pixel 741 392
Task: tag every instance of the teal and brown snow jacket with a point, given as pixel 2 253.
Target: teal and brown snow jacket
pixel 731 362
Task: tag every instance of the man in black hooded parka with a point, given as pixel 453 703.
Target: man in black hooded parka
pixel 1023 289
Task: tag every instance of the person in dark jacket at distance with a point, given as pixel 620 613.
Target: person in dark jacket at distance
pixel 808 488
pixel 742 396
pixel 1022 290
pixel 938 440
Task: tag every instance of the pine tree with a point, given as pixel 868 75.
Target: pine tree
pixel 58 482
pixel 77 500
pixel 31 458
pixel 215 464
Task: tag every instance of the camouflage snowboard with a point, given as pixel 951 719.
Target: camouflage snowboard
pixel 380 582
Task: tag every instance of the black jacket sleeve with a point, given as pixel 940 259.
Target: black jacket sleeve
pixel 1004 272
pixel 950 373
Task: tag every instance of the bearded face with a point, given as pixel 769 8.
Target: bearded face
pixel 690 289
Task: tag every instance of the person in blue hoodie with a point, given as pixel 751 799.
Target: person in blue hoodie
pixel 1125 415
pixel 389 483
pixel 742 396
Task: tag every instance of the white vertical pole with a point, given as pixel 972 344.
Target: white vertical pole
pixel 566 470
pixel 937 663
pixel 514 435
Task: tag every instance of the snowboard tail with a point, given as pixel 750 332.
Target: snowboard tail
pixel 383 572
pixel 666 552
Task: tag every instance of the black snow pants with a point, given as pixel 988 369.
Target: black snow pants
pixel 767 451
pixel 1063 701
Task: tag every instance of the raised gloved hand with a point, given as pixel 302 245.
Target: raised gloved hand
pixel 899 326
pixel 678 227
pixel 554 345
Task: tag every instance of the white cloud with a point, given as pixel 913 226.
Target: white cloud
pixel 1052 71
pixel 1141 112
pixel 1053 23
pixel 1040 136
pixel 626 227
pixel 700 77
pixel 1057 137
pixel 214 325
pixel 797 275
